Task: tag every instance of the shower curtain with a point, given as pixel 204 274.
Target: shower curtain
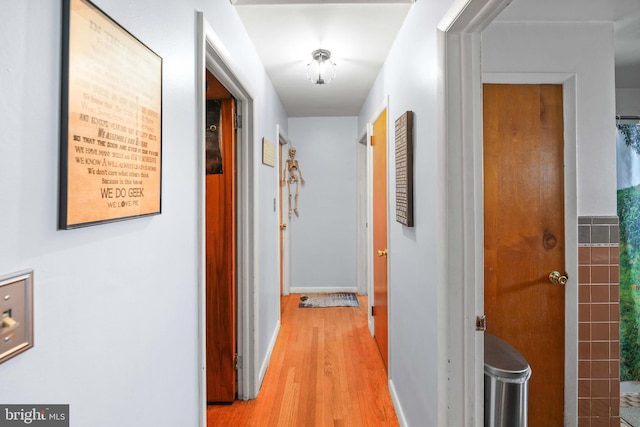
pixel 628 179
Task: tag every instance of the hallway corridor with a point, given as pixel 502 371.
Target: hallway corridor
pixel 325 371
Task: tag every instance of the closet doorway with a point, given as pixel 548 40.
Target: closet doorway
pixel 220 242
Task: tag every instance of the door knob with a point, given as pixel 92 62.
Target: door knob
pixel 283 226
pixel 382 252
pixel 558 279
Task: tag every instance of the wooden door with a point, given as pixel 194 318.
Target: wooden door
pixel 524 234
pixel 221 253
pixel 380 264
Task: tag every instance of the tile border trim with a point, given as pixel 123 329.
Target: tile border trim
pixel 598 231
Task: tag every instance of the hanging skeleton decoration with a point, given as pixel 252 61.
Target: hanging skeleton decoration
pixel 293 169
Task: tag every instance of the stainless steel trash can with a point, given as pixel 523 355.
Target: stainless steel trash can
pixel 506 384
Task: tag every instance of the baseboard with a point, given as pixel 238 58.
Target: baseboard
pixel 267 359
pixel 322 289
pixel 396 404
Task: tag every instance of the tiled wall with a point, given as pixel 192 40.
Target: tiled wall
pixel 598 322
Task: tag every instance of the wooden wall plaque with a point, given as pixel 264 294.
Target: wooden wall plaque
pixel 404 169
pixel 111 124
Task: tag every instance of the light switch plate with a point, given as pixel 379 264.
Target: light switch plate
pixel 16 314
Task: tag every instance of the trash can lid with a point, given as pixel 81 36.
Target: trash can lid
pixel 502 360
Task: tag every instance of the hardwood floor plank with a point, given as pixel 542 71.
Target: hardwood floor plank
pixel 325 371
pixel 289 407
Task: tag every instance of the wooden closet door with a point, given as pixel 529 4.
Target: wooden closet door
pixel 221 262
pixel 524 235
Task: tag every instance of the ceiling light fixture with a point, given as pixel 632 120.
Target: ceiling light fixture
pixel 321 70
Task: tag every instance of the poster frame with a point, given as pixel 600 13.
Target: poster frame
pixel 123 43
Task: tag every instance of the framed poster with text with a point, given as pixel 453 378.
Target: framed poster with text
pixel 111 123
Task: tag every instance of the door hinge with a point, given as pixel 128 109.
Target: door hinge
pixel 481 323
pixel 238 123
pixel 373 310
pixel 237 362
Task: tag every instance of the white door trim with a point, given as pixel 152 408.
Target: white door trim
pixel 212 55
pixel 569 90
pixel 365 265
pixel 460 277
pixel 283 139
pixel 362 212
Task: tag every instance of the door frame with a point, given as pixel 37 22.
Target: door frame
pixel 569 105
pixel 363 219
pixel 213 55
pixel 384 105
pixel 283 140
pixel 460 214
pixel 460 277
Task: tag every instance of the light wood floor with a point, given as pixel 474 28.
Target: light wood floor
pixel 325 370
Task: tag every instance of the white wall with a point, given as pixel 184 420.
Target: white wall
pixel 628 102
pixel 323 237
pixel 627 161
pixel 628 75
pixel 116 310
pixel 409 78
pixel 587 51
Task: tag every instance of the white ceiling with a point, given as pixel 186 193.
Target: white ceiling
pixel 359 33
pixel 358 36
